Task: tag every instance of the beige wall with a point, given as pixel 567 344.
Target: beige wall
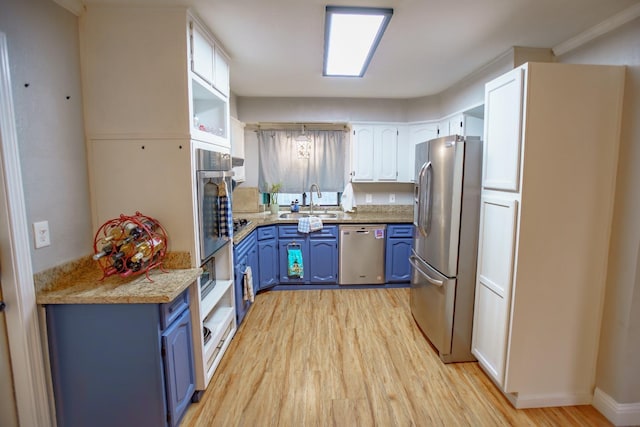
pixel 618 372
pixel 338 110
pixel 42 40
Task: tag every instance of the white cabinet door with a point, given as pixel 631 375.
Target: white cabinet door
pixel 493 284
pixel 221 71
pixel 375 153
pixel 202 54
pixel 473 126
pixel 456 125
pixel 363 159
pixel 443 128
pixel 387 153
pixel 503 116
pixel 237 147
pixel 417 133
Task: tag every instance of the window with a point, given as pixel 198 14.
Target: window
pixel 328 198
pixel 281 162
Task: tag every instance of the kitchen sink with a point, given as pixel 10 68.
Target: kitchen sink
pixel 292 215
pixel 297 215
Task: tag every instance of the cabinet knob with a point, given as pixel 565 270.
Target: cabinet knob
pixel 2 305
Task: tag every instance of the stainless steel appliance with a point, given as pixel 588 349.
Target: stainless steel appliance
pixel 361 254
pixel 446 215
pixel 213 171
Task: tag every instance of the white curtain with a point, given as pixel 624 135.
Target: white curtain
pixel 280 162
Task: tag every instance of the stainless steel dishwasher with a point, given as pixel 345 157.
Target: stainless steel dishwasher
pixel 362 254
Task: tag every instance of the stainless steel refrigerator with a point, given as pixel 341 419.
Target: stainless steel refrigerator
pixel 446 216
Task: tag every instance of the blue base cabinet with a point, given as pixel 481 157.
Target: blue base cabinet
pixel 265 250
pixel 319 254
pixel 245 254
pixel 121 364
pixel 398 250
pixel 268 257
pixel 323 255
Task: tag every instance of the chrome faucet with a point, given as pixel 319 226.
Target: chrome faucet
pixel 311 199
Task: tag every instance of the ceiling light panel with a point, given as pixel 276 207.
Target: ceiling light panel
pixel 351 37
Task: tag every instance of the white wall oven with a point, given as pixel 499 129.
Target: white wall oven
pixel 213 309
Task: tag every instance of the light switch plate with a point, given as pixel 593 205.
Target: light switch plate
pixel 392 198
pixel 368 198
pixel 41 234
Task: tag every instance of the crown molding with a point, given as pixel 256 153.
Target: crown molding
pixel 604 27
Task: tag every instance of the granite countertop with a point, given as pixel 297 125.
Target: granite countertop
pixel 384 216
pixel 81 284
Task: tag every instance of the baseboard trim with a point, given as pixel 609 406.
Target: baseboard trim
pixel 620 414
pixel 522 401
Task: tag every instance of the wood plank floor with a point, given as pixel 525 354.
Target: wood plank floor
pixel 352 357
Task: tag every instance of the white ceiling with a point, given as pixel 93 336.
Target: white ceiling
pixel 276 46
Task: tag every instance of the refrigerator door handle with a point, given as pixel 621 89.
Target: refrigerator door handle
pixel 412 260
pixel 428 198
pixel 419 200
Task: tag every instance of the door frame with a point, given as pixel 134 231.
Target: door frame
pixel 23 328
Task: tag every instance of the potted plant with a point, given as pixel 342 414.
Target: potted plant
pixel 273 197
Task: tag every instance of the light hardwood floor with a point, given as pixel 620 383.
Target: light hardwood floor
pixel 352 357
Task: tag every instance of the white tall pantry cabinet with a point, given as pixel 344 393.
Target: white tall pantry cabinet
pixel 155 89
pixel 550 158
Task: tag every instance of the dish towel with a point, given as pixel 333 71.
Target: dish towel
pixel 248 285
pixel 315 223
pixel 295 267
pixel 304 225
pixel 226 219
pixel 348 200
pixel 309 224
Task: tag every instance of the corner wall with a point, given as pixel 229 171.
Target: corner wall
pixel 42 38
pixel 618 372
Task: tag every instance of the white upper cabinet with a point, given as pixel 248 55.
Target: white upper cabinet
pixel 362 153
pixel 387 161
pixel 221 71
pixel 375 152
pixel 460 124
pixel 456 125
pixel 207 59
pixel 129 93
pixel 209 87
pixel 202 52
pixel 237 148
pixel 503 117
pixel 443 128
pixel 415 134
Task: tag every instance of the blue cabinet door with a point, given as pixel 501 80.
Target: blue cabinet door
pixel 323 260
pixel 244 255
pixel 283 246
pixel 241 305
pixel 178 367
pixel 253 262
pixel 397 267
pixel 268 261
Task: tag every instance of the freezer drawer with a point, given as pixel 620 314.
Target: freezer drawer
pixel 361 260
pixel 432 303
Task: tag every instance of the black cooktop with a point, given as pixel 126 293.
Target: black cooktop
pixel 239 224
